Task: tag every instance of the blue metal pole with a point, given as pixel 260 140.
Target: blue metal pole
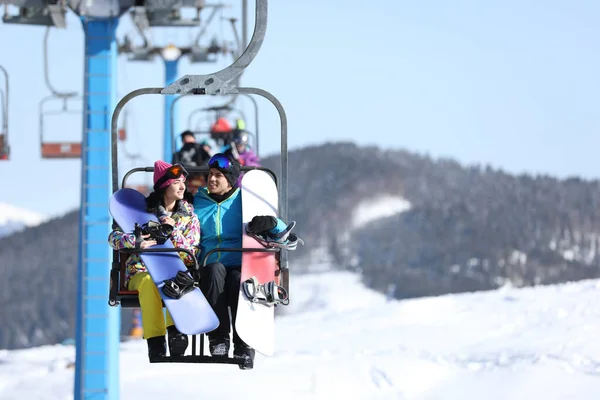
pixel 98 325
pixel 170 76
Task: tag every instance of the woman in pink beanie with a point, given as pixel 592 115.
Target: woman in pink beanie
pixel 172 204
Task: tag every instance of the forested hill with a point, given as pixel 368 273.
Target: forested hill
pixel 467 228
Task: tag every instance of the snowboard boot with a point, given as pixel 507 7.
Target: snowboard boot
pixel 219 347
pixel 157 347
pixel 178 342
pixel 246 353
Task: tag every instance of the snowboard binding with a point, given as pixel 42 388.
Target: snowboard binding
pixel 177 287
pixel 268 294
pixel 157 231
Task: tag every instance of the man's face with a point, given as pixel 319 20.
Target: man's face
pixel 217 182
pixel 189 139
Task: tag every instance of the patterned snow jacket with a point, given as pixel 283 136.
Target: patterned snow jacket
pixel 186 235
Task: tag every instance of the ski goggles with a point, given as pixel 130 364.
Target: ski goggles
pixel 221 161
pixel 173 172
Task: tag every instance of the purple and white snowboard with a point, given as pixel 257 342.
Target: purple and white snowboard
pixel 191 313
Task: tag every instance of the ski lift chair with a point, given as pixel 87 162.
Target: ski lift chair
pixel 119 294
pixel 211 84
pixel 4 149
pixel 57 149
pixel 60 149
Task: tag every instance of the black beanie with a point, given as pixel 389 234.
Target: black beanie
pixel 234 174
pixel 187 133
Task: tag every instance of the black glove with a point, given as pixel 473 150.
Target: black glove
pixel 261 224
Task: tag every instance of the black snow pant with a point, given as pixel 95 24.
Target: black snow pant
pixel 221 286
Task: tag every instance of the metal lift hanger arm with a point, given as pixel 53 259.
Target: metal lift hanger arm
pixel 219 82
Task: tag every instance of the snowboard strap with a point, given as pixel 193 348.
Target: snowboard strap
pixel 291 243
pixel 283 235
pixel 177 287
pixel 268 293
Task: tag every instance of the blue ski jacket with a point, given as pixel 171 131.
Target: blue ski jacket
pixel 220 226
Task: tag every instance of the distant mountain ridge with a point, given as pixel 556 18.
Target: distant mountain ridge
pixel 14 219
pixel 468 228
pixel 435 227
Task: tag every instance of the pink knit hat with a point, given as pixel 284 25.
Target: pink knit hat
pixel 160 169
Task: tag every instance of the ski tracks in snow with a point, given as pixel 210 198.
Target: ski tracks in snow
pixel 383 382
pixel 574 363
pixel 380 378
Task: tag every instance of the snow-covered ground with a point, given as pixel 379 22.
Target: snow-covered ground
pixel 343 341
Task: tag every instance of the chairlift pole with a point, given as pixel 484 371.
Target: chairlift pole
pixel 98 325
pixel 169 128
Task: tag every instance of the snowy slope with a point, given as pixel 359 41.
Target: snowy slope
pixel 377 208
pixel 13 219
pixel 344 341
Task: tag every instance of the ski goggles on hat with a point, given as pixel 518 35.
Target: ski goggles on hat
pixel 173 172
pixel 220 161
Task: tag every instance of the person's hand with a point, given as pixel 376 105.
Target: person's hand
pixel 167 220
pixel 147 243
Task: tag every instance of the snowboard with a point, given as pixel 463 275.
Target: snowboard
pixel 191 313
pixel 255 323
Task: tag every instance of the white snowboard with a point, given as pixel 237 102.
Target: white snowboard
pixel 255 322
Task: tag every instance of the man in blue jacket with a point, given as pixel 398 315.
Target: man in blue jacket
pixel 219 209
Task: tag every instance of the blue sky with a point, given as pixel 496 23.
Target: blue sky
pixel 510 83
